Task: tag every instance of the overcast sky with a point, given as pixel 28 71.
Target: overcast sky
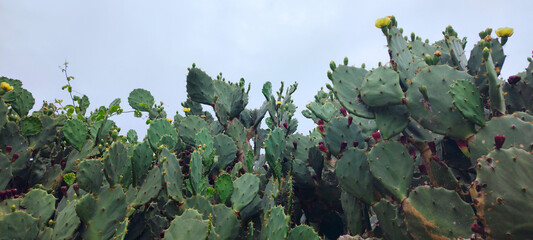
pixel 114 47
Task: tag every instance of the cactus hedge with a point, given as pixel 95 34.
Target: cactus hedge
pixel 434 144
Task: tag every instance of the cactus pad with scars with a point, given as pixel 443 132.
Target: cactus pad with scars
pixel 245 189
pixel 504 202
pixel 354 175
pixel 437 213
pixel 347 83
pixel 391 164
pixel 30 126
pixel 40 205
pixel 381 87
pixel 172 174
pixel 436 111
pixel 337 131
pixel 467 99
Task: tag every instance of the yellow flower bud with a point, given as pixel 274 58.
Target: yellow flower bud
pixel 186 110
pixel 6 87
pixel 504 32
pixel 278 102
pixel 437 53
pixel 169 120
pixel 383 22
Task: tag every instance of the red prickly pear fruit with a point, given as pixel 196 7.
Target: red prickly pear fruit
pixel 436 159
pixel 432 147
pixel 350 119
pixel 514 79
pixel 8 193
pixel 412 152
pixel 320 122
pixel 63 164
pixel 9 149
pixel 477 228
pixel 498 141
pixel 15 157
pixel 343 145
pixel 343 111
pixel 403 140
pixel 52 162
pixel 213 105
pixel 322 147
pixel 265 167
pixel 376 136
pixel 315 177
pixel 285 125
pixel 64 190
pixel 321 129
pixel 162 234
pixel 76 187
pixel 295 145
pixel 229 168
pixel 422 169
pixel 14 191
pixel 461 144
pixel 355 144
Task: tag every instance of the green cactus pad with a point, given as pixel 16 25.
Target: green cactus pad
pixel 226 223
pixel 337 130
pixel 19 225
pixel 23 102
pixel 5 171
pixel 347 83
pixel 159 128
pixel 456 51
pixel 45 136
pixel 187 227
pixel 141 160
pixel 150 188
pixel 224 187
pixel 141 99
pixel 391 120
pixel 467 99
pixel 40 205
pixel 437 213
pixel 420 49
pixel 275 224
pixel 67 222
pixel 10 136
pixel 303 232
pixel 504 202
pixel 3 113
pixel 437 113
pixel 323 111
pixel 90 175
pixel 205 141
pixel 75 132
pixel 354 175
pixel 381 87
pixel 519 96
pixel 390 163
pixel 200 86
pixel 102 216
pixel 189 126
pixel 132 136
pixel 406 63
pixel 172 175
pixel 444 176
pixel 390 221
pixel 353 213
pixel 199 203
pixel 237 132
pixel 274 147
pixel 117 165
pixel 30 126
pixel 477 68
pixel 245 189
pixel 196 182
pixel 517 134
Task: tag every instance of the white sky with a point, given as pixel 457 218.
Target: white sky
pixel 114 47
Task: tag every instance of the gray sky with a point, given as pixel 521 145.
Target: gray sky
pixel 114 47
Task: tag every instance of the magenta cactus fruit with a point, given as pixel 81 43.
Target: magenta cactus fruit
pixel 376 136
pixel 437 160
pixel 15 157
pixel 295 145
pixel 63 164
pixel 498 141
pixel 477 228
pixel 320 122
pixel 355 144
pixel 412 152
pixel 350 119
pixel 9 149
pixel 321 129
pixel 322 147
pixel 343 111
pixel 514 79
pixel 285 125
pixel 343 145
pixel 422 169
pixel 64 190
pixel 403 140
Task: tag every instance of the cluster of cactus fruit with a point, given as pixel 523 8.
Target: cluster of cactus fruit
pixel 428 146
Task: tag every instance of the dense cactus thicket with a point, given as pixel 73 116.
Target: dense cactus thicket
pixel 431 145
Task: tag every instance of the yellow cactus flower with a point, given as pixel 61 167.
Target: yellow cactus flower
pixel 278 103
pixel 383 22
pixel 504 32
pixel 186 110
pixel 169 120
pixel 6 86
